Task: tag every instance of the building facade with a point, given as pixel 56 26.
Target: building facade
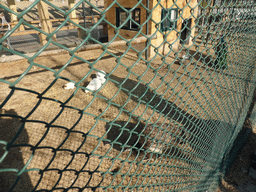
pixel 170 23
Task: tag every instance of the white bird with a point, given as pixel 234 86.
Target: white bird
pixel 97 82
pixel 101 75
pixel 69 85
pixel 94 85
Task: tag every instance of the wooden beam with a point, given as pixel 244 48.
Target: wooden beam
pixel 72 15
pixel 45 22
pixel 12 6
pixel 117 43
pixel 55 20
pixel 26 32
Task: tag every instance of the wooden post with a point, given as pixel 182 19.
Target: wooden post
pixel 208 28
pixel 73 17
pixel 12 6
pixel 46 24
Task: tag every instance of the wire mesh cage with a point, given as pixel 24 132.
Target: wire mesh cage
pixel 116 95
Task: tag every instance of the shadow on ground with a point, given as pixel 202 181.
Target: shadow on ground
pixel 238 177
pixel 10 125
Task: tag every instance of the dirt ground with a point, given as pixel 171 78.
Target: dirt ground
pixel 69 139
pixel 240 178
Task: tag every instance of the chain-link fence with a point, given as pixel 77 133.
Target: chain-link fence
pixel 150 96
pixel 25 39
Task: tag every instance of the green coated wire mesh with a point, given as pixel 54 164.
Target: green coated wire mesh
pixel 171 88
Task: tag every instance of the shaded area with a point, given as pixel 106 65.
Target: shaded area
pixel 201 135
pixel 10 125
pixel 237 176
pixel 205 137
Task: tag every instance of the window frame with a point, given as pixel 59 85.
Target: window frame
pixel 169 25
pixel 130 23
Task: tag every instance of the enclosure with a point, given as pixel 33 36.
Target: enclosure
pixel 178 83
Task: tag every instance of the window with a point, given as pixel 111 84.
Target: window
pixel 168 19
pixel 130 23
pixel 185 31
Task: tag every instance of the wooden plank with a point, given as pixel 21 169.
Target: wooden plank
pixel 12 6
pixel 26 32
pixel 56 20
pixel 46 24
pixel 117 43
pixel 63 51
pixel 72 15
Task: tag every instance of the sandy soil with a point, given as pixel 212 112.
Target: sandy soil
pixel 65 148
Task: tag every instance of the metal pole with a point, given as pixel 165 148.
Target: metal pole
pixel 84 14
pixel 147 30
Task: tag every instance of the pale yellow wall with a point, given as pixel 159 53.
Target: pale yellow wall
pixel 111 16
pixel 156 16
pixel 172 36
pixel 127 34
